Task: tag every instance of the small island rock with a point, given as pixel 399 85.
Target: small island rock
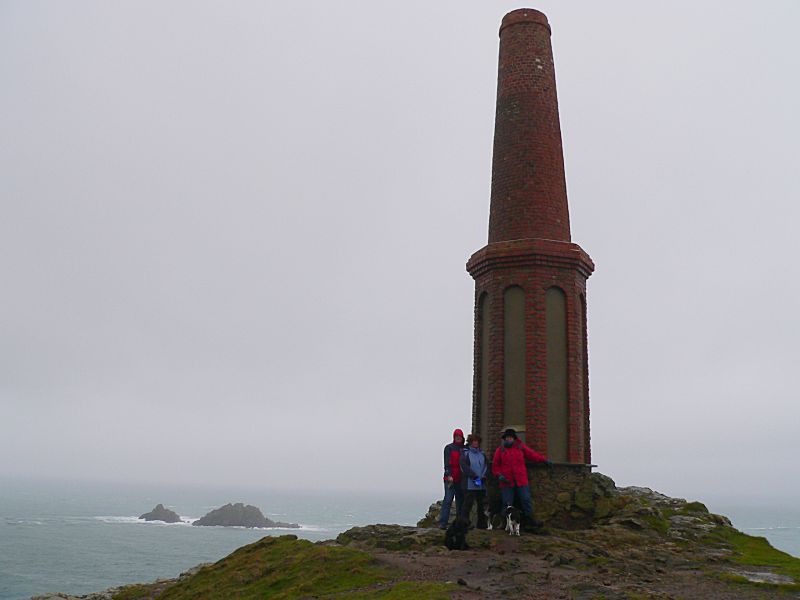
pixel 239 515
pixel 159 513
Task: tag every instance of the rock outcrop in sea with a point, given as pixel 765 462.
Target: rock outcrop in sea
pixel 240 515
pixel 159 513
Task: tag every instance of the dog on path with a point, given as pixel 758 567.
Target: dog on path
pixel 512 520
pixel 489 517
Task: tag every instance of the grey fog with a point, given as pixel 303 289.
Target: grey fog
pixel 233 238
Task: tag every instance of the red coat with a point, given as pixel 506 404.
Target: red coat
pixel 510 463
pixel 452 457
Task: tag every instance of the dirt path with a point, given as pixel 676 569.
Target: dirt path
pixel 526 567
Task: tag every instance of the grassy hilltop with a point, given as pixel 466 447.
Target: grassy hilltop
pixel 286 567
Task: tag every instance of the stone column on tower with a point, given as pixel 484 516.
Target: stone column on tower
pixel 531 359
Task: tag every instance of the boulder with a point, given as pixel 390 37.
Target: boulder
pixel 571 497
pixel 431 518
pixel 159 513
pixel 239 515
pixel 391 537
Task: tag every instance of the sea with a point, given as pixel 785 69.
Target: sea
pixel 78 537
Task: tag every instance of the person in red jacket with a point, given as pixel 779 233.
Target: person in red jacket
pixel 452 478
pixel 509 467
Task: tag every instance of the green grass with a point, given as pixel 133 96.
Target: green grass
pixel 408 590
pixel 693 507
pixel 752 551
pixel 656 523
pixel 280 568
pixel 134 592
pixel 284 567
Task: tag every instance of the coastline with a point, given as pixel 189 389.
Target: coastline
pixel 649 544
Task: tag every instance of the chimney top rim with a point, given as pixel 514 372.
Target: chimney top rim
pixel 525 15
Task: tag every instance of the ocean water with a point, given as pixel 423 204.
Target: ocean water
pixel 779 524
pixel 79 538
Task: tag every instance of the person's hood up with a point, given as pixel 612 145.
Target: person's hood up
pixel 458 432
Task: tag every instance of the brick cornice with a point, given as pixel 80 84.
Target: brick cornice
pixel 525 15
pixel 530 252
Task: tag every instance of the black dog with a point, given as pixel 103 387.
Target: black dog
pixel 455 538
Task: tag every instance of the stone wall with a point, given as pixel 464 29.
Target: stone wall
pixel 570 496
pixel 564 496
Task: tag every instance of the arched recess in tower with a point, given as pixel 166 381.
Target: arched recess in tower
pixel 514 358
pixel 584 370
pixel 483 365
pixel 557 375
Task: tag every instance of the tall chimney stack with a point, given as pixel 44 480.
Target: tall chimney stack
pixel 531 357
pixel 529 192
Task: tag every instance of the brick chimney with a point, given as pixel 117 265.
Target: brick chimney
pixel 531 359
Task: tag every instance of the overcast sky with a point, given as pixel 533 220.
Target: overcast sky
pixel 233 237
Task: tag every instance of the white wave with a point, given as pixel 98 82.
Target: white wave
pixel 110 519
pixel 289 529
pixel 117 520
pixel 189 520
pixel 250 528
pixel 286 529
pixel 312 528
pixel 23 522
pixel 139 521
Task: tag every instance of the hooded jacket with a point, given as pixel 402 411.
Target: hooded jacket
pixel 452 457
pixel 473 464
pixel 510 463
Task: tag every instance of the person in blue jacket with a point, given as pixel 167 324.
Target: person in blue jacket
pixel 474 467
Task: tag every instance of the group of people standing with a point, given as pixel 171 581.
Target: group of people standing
pixel 466 468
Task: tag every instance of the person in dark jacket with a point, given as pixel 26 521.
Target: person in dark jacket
pixel 509 467
pixel 473 479
pixel 452 478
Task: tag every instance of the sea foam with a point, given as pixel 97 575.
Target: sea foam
pixel 140 521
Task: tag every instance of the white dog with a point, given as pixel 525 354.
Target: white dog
pixel 489 517
pixel 512 520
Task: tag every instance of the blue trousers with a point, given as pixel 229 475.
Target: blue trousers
pixel 451 490
pixel 524 493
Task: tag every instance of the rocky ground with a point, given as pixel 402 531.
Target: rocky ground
pixel 646 546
